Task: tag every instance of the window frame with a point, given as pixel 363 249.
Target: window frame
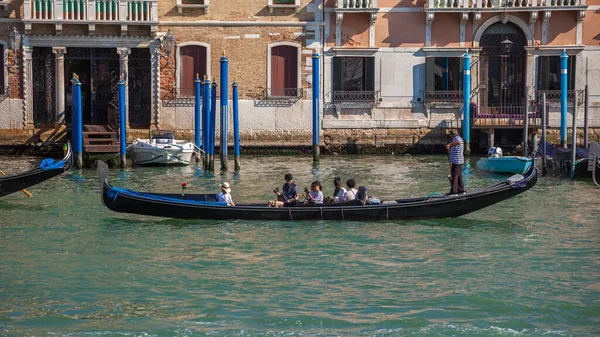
pixel 298 66
pixel 178 65
pixel 5 68
pixel 571 68
pixel 181 6
pixel 365 76
pixel 273 4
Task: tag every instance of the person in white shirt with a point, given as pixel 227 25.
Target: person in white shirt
pixel 225 194
pixel 351 193
pixel 315 196
pixel 339 191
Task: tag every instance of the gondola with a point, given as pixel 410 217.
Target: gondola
pixel 204 206
pixel 47 169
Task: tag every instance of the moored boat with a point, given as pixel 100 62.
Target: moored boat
pixel 48 168
pixel 205 206
pixel 162 150
pixel 508 164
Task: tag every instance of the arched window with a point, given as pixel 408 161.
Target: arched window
pixel 284 71
pixel 192 61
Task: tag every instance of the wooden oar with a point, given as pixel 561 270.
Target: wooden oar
pixel 24 190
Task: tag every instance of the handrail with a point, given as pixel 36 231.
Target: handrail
pixel 91 10
pixel 502 4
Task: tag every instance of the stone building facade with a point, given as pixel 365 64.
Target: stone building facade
pixel 391 70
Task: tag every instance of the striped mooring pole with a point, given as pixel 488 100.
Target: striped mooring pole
pixel 76 122
pixel 122 122
pixel 315 108
pixel 467 103
pixel 564 85
pixel 224 99
pixel 236 126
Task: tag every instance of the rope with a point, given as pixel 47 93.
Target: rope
pixel 199 149
pixel 290 211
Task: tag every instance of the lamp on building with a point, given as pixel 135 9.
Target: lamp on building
pixel 506 46
pixel 168 40
pixel 15 42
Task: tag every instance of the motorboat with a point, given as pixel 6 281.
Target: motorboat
pixel 498 163
pixel 162 150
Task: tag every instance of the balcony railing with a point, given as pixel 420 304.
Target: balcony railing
pixel 179 97
pixel 503 4
pixel 444 97
pixel 356 4
pixel 355 99
pixel 92 10
pixel 553 97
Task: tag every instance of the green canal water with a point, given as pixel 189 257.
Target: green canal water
pixel 529 266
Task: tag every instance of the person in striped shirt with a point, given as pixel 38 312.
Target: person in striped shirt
pixel 457 159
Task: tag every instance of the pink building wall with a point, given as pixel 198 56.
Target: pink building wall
pixel 400 30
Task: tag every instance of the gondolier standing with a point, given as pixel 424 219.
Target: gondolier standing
pixel 457 159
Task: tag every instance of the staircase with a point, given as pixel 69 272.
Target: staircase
pixel 100 139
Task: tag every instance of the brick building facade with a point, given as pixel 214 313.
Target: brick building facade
pixel 392 71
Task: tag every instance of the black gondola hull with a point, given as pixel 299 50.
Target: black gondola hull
pixel 14 183
pixel 597 171
pixel 174 206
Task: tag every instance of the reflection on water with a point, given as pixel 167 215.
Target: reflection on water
pixel 527 266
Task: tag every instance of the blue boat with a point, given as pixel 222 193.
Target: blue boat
pixel 499 164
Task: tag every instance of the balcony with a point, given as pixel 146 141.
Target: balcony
pixel 355 99
pixel 91 12
pixel 295 4
pixel 356 5
pixel 502 5
pixel 193 4
pixel 444 98
pixel 553 97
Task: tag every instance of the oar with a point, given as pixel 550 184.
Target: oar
pixel 24 190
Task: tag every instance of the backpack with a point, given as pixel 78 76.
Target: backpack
pixel 362 194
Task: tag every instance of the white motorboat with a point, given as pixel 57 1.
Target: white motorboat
pixel 162 150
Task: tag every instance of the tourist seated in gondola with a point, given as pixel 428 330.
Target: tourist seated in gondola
pixel 314 196
pixel 225 194
pixel 351 192
pixel 339 191
pixel 288 194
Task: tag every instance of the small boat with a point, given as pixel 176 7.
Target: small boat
pixel 504 164
pixel 47 169
pixel 508 164
pixel 162 150
pixel 205 206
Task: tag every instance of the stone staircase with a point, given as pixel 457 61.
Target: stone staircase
pixel 100 139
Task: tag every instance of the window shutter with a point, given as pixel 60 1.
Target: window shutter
pixel 369 64
pixel 338 74
pixel 277 71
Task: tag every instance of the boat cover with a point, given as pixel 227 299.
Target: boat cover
pixel 113 192
pixel 50 164
pixel 561 154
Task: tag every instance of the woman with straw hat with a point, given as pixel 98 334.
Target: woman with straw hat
pixel 225 194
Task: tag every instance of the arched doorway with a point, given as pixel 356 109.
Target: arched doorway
pixel 502 73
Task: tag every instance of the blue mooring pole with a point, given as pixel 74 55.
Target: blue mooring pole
pixel 236 127
pixel 206 119
pixel 315 105
pixel 122 122
pixel 563 97
pixel 197 107
pixel 213 123
pixel 467 102
pixel 77 127
pixel 224 98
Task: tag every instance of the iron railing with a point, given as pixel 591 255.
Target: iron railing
pixel 281 94
pixel 502 4
pixel 359 99
pixel 553 97
pixel 450 97
pixel 4 93
pixel 179 97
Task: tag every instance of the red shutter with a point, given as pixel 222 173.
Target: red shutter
pixel 277 71
pixel 193 61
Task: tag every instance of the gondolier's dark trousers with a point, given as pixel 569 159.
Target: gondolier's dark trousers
pixel 456 180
